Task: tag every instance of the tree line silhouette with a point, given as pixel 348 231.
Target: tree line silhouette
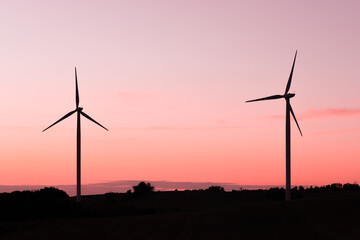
pixel 53 202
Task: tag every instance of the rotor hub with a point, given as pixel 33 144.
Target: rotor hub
pixel 289 95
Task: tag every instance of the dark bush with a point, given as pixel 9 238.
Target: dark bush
pixel 51 193
pixel 37 204
pixel 215 189
pixel 276 193
pixel 351 187
pixel 142 188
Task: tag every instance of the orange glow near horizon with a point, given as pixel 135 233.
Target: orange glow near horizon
pixel 170 82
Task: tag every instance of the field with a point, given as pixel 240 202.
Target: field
pixel 194 215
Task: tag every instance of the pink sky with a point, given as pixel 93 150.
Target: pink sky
pixel 169 79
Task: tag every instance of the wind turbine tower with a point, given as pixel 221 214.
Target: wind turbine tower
pixel 289 110
pixel 79 111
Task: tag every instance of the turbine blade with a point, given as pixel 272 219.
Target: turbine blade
pixel 77 90
pixel 88 117
pixel 290 77
pixel 67 115
pixel 293 114
pixel 267 98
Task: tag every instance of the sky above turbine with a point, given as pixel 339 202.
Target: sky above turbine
pixel 169 79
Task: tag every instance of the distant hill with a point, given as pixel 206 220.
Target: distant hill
pixel 125 185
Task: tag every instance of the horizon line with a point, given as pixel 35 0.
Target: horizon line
pixel 125 185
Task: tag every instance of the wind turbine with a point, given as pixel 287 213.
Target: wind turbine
pixel 79 112
pixel 289 110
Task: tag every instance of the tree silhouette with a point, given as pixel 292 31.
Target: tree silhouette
pixel 142 188
pixel 215 189
pixel 51 193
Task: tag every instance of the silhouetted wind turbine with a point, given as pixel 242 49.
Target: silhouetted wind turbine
pixel 78 137
pixel 289 110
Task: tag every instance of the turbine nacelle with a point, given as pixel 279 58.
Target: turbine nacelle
pixel 289 95
pixel 79 109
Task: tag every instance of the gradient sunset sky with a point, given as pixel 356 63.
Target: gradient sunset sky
pixel 169 79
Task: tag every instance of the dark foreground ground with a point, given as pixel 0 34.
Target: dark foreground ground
pixel 194 215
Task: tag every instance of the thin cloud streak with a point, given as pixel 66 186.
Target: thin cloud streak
pixel 325 113
pixel 136 97
pixel 136 94
pixel 338 131
pixel 186 128
pixel 329 113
